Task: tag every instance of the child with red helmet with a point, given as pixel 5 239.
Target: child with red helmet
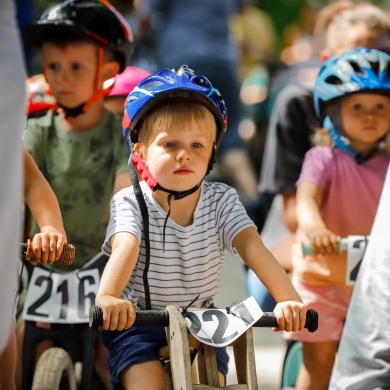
pixel 173 124
pixel 77 145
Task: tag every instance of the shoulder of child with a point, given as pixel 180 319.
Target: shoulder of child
pixel 44 120
pixel 321 152
pixel 217 187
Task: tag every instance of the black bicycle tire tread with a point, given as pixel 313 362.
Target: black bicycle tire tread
pixel 50 368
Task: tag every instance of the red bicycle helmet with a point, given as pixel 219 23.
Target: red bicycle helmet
pixel 40 98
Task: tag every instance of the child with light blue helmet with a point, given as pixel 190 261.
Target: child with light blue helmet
pixel 169 234
pixel 357 71
pixel 338 192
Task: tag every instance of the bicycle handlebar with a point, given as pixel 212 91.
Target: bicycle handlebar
pixel 67 254
pixel 342 243
pixel 161 317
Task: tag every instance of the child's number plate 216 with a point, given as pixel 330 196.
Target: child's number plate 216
pixel 61 298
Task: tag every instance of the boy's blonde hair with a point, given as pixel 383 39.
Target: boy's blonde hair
pixel 175 113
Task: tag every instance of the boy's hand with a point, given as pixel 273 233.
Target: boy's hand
pixel 118 314
pixel 291 316
pixel 47 247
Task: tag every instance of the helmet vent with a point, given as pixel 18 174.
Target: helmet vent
pixel 375 67
pixel 357 68
pixel 333 80
pixel 152 84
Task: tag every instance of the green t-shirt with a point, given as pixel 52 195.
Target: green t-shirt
pixel 81 168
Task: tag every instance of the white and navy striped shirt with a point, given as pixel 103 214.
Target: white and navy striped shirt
pixel 193 255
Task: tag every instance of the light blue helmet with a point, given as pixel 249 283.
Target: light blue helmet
pixel 355 71
pixel 359 70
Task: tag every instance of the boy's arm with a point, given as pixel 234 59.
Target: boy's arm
pixel 309 197
pixel 118 314
pixel 40 198
pixel 290 311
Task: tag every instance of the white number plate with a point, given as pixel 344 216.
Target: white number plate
pixel 61 298
pixel 355 253
pixel 218 328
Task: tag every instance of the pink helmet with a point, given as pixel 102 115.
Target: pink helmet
pixel 127 80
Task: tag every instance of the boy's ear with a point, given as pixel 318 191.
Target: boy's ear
pixel 110 69
pixel 137 148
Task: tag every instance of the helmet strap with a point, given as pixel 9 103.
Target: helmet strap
pixel 145 219
pixel 136 164
pixel 153 184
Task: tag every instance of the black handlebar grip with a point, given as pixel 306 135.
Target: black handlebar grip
pixel 268 320
pixel 161 317
pixel 143 317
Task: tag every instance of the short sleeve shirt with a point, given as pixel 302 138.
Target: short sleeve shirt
pixel 351 194
pixel 81 168
pixel 189 263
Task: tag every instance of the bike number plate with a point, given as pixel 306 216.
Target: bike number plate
pixel 61 298
pixel 218 327
pixel 355 253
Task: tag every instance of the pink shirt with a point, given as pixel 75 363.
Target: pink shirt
pixel 350 199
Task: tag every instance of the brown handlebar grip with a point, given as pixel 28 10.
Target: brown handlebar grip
pixel 66 258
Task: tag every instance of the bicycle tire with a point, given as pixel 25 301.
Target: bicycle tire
pixel 291 364
pixel 54 370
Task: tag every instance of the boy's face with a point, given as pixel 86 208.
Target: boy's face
pixel 365 119
pixel 71 72
pixel 178 157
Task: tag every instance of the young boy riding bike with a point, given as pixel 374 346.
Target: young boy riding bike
pixel 77 145
pixel 168 235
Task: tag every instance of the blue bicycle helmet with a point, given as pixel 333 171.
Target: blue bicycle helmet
pixel 169 84
pixel 359 70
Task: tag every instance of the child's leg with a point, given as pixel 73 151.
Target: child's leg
pixel 8 362
pixel 101 363
pixel 148 375
pixel 319 348
pixel 318 360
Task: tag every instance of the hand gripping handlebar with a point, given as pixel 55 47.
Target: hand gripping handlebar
pixel 161 317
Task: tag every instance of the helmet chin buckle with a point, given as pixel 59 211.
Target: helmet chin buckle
pixel 143 170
